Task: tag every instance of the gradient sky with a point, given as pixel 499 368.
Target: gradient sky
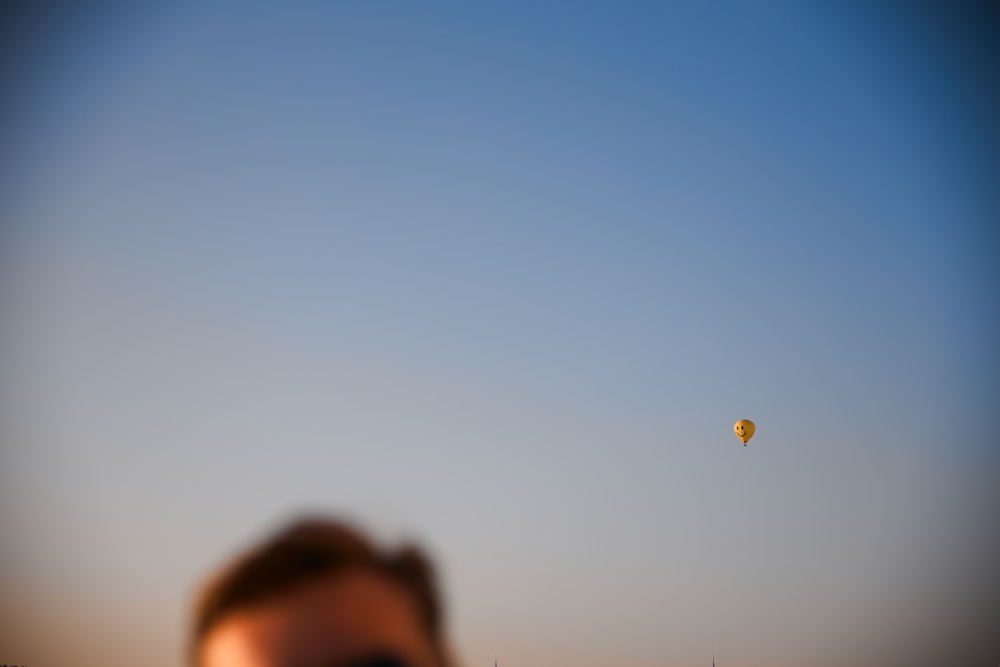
pixel 500 278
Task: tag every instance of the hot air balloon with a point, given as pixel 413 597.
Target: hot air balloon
pixel 744 430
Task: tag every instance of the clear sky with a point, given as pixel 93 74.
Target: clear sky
pixel 500 277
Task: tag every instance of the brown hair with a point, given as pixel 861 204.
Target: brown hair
pixel 310 549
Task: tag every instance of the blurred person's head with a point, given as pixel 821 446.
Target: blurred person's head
pixel 320 594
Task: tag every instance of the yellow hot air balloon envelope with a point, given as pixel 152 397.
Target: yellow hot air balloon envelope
pixel 744 430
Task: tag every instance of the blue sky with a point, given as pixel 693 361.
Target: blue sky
pixel 501 278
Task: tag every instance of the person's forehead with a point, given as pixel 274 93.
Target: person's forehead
pixel 322 623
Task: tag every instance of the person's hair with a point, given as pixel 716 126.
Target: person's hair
pixel 307 550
